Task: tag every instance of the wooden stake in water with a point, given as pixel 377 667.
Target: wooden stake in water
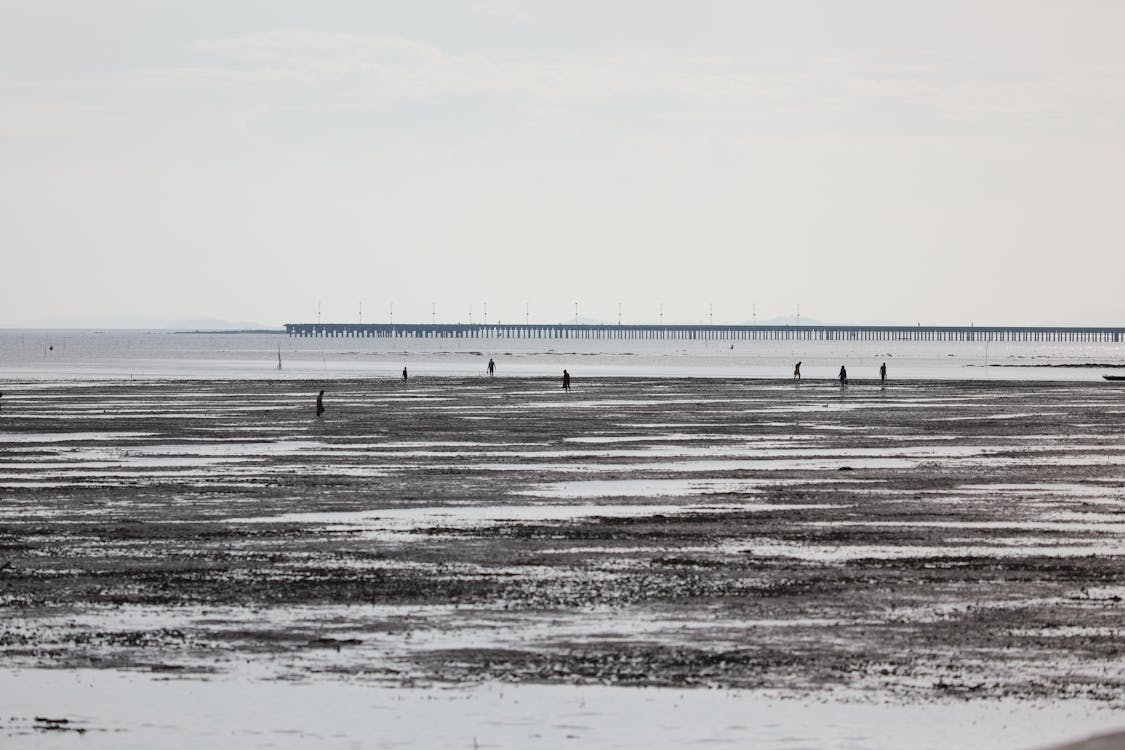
pixel 279 357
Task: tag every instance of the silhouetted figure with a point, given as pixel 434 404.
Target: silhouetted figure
pixel 491 367
pixel 843 375
pixel 404 373
pixel 797 371
pixel 566 381
pixel 883 372
pixel 320 404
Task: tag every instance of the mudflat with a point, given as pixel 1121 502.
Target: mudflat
pixel 911 540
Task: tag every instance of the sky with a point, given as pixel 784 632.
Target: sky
pixel 869 161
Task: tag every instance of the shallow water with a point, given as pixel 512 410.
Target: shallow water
pixel 139 355
pixel 606 488
pixel 382 523
pixel 121 710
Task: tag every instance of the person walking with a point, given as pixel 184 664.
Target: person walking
pixel 883 373
pixel 797 371
pixel 566 381
pixel 491 367
pixel 319 404
pixel 404 374
pixel 843 375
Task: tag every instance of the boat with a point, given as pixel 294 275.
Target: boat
pixel 1114 377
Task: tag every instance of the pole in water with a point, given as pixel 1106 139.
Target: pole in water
pixel 279 357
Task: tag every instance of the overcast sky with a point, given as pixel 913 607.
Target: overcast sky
pixel 901 162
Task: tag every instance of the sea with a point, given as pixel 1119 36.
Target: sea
pixel 115 354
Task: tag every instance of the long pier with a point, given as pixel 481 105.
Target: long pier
pixel 709 332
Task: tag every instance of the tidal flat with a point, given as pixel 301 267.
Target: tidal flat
pixel 914 542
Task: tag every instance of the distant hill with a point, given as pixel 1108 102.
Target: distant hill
pixel 786 320
pixel 216 324
pixel 137 322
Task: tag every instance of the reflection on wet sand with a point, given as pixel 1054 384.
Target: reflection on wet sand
pixel 941 539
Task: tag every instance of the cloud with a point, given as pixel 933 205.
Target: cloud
pixel 342 71
pixel 881 93
pixel 364 69
pixel 516 9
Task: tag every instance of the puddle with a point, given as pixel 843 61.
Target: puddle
pixel 433 444
pixel 69 437
pixel 1015 525
pixel 687 467
pixel 718 437
pixel 607 403
pixel 995 417
pixel 225 448
pixel 1057 488
pixel 467 517
pixel 122 462
pixel 665 425
pixel 832 553
pixel 654 487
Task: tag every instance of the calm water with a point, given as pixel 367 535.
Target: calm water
pixel 136 710
pixel 49 354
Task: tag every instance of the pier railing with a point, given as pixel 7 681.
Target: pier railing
pixel 710 332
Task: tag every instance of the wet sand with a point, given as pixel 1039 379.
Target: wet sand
pixel 914 542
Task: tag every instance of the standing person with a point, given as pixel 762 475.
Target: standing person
pixel 843 375
pixel 491 367
pixel 319 404
pixel 404 373
pixel 883 373
pixel 566 381
pixel 797 371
